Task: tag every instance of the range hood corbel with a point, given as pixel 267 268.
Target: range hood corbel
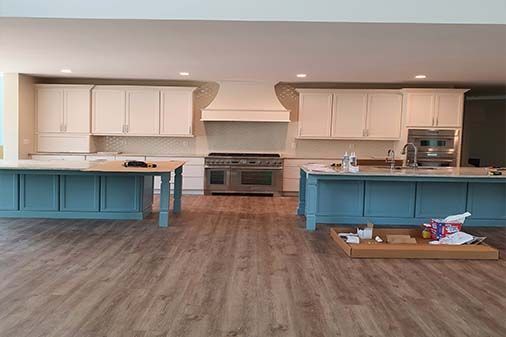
pixel 245 102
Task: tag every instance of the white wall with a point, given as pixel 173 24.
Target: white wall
pixel 19 116
pixel 405 11
pixel 26 127
pixel 11 120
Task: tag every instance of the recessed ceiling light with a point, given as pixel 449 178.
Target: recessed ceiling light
pixel 66 71
pixel 184 73
pixel 420 77
pixel 301 75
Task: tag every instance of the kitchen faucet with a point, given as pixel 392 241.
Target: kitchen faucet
pixel 413 163
pixel 391 158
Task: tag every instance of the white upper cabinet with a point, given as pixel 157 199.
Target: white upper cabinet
pixel 63 108
pixel 77 117
pixel 109 110
pixel 49 109
pixel 143 111
pixel 420 108
pixel 176 115
pixel 315 108
pixel 384 115
pixel 449 108
pixel 434 107
pixel 349 114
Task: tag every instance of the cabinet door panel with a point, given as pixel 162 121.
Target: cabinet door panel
pixel 438 199
pixel 108 111
pixel 39 192
pixel 176 112
pixel 449 109
pixel 77 111
pixel 420 108
pixel 143 107
pixel 79 193
pixel 384 114
pixel 49 109
pixel 9 198
pixel 315 114
pixel 119 193
pixel 343 198
pixel 349 115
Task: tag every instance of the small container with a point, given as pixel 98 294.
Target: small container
pixel 345 165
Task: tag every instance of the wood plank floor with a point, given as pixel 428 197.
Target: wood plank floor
pixel 231 266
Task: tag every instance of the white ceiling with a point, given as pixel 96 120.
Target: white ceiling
pixel 402 11
pixel 274 51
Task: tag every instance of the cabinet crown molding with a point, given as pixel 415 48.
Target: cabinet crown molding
pixel 449 90
pixel 65 86
pixel 142 87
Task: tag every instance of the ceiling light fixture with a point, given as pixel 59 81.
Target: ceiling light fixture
pixel 420 77
pixel 301 75
pixel 66 71
pixel 184 73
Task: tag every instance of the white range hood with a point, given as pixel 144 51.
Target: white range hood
pixel 245 102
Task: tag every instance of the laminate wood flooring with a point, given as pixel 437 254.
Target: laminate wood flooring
pixel 232 266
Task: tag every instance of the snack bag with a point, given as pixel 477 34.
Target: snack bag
pixel 449 225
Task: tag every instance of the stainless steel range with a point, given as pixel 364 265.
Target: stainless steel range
pixel 243 173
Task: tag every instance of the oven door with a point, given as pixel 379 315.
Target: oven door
pixel 256 180
pixel 217 180
pixel 434 140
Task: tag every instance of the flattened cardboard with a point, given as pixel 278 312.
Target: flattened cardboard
pixel 420 250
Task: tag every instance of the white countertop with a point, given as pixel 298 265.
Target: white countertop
pixel 78 165
pixel 46 165
pixel 455 172
pixel 120 154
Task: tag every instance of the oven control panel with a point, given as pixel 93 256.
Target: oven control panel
pixel 244 162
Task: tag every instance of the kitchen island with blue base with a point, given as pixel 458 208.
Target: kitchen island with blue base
pixel 86 190
pixel 401 197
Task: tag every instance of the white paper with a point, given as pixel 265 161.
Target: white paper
pixel 458 238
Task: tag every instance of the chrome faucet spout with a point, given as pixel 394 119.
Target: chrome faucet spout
pixel 414 162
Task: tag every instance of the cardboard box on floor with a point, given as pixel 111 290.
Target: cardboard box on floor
pixel 420 250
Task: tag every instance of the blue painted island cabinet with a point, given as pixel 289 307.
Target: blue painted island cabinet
pixel 86 190
pixel 401 198
pixel 70 195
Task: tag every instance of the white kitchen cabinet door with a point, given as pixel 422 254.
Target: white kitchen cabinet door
pixel 384 114
pixel 315 114
pixel 176 116
pixel 143 111
pixel 109 109
pixel 420 109
pixel 77 110
pixel 49 109
pixel 349 115
pixel 448 110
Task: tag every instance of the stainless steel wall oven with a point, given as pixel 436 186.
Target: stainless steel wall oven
pixel 435 147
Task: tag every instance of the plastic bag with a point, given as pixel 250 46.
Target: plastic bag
pixel 449 225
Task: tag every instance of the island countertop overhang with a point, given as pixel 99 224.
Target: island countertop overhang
pixel 374 172
pixel 83 166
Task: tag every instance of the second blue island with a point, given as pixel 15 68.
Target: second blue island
pixel 401 197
